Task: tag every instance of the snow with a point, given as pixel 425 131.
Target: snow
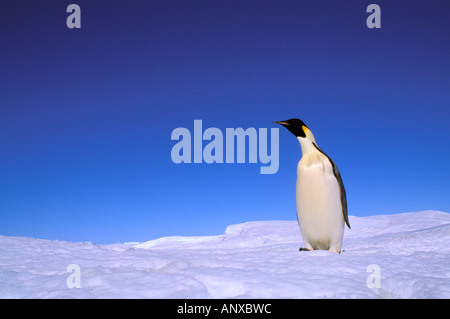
pixel 385 256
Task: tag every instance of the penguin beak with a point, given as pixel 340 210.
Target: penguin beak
pixel 281 122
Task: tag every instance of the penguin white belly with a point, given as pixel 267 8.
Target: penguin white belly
pixel 319 207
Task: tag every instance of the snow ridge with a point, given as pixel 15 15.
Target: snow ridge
pixel 250 260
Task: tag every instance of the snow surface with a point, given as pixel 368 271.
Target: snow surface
pixel 251 260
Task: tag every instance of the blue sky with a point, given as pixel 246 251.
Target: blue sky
pixel 86 114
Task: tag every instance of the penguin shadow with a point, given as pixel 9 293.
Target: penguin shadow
pixel 306 249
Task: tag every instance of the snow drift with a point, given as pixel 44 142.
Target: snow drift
pixel 409 253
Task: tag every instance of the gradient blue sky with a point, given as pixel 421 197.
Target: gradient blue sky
pixel 86 114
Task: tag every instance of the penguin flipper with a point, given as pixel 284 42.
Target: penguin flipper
pixel 343 197
pixel 338 177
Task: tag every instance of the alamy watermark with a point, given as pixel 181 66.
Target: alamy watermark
pixel 73 21
pixel 74 279
pixel 374 279
pixel 237 140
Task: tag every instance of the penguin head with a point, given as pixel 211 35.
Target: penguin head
pixel 296 127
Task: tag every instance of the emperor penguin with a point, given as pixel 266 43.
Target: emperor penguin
pixel 320 193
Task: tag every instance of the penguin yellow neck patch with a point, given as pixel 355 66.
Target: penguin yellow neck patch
pixel 306 130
